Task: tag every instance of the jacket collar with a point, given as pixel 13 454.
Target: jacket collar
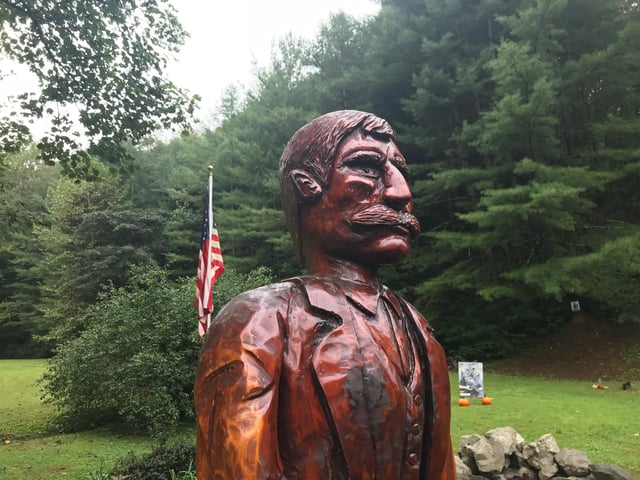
pixel 321 292
pixel 329 293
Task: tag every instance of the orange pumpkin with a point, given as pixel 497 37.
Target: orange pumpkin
pixel 464 402
pixel 487 400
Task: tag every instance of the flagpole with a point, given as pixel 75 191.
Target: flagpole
pixel 210 263
pixel 210 222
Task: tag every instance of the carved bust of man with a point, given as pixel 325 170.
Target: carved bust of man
pixel 329 375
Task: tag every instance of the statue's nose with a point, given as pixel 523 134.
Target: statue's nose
pixel 396 189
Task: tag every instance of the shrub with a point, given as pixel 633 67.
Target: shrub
pixel 136 359
pixel 161 464
pixel 471 328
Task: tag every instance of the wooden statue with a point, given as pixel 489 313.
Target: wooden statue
pixel 329 375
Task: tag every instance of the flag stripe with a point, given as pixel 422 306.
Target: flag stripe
pixel 210 267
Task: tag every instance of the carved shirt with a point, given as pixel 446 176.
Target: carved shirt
pixel 322 379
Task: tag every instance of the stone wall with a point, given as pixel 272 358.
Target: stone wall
pixel 502 454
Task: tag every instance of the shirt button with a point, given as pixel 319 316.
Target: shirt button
pixel 414 459
pixel 416 429
pixel 417 400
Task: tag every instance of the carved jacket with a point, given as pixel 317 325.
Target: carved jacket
pixel 305 379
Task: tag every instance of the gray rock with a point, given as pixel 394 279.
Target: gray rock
pixel 463 472
pixel 609 472
pixel 466 452
pixel 574 463
pixel 488 456
pixel 541 451
pixel 507 438
pixel 467 440
pixel 547 470
pixel 540 456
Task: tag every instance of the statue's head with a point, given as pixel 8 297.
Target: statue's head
pixel 344 190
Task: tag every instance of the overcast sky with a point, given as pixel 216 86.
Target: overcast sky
pixel 229 38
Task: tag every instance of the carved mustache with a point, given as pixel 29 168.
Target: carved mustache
pixel 380 215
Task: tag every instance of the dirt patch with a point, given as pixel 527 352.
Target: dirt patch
pixel 584 349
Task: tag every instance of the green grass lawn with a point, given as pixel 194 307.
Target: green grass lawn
pixel 603 423
pixel 21 411
pixel 35 454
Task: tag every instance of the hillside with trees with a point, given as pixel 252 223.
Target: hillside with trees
pixel 521 125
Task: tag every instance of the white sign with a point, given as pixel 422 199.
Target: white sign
pixel 470 379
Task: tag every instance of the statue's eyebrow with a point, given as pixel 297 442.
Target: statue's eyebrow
pixel 360 152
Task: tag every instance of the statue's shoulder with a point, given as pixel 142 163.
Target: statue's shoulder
pixel 257 311
pixel 292 293
pixel 262 299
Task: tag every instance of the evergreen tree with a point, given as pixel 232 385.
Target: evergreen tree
pixel 23 185
pixel 519 238
pixel 93 238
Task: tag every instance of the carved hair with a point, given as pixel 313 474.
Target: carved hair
pixel 313 149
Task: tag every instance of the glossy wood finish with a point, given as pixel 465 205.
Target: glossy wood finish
pixel 329 375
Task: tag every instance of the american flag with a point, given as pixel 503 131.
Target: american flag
pixel 210 266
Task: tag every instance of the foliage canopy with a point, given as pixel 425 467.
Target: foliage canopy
pixel 100 67
pixel 519 125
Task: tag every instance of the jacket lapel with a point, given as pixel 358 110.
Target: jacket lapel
pixel 339 368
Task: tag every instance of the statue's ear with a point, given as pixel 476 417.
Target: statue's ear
pixel 308 188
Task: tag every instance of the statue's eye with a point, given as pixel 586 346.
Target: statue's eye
pixel 367 165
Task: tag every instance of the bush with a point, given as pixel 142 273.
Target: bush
pixel 473 329
pixel 158 465
pixel 135 362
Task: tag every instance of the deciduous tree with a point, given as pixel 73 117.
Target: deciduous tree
pixel 101 71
